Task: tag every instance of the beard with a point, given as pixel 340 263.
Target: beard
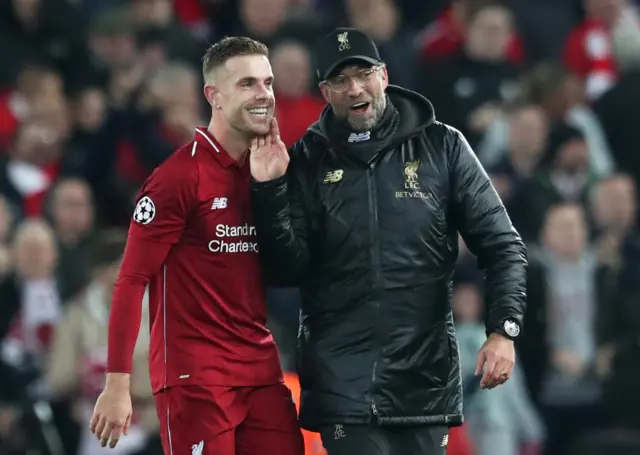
pixel 362 123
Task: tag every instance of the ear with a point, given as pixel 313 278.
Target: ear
pixel 325 93
pixel 212 94
pixel 385 78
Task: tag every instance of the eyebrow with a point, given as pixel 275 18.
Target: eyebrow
pixel 252 79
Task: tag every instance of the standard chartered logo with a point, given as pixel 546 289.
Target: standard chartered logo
pixel 232 239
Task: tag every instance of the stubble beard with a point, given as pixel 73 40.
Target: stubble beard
pixel 359 124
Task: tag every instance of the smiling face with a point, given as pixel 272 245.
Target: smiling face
pixel 357 95
pixel 239 85
pixel 245 94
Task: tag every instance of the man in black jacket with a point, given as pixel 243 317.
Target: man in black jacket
pixel 365 221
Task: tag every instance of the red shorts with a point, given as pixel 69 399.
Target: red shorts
pixel 216 420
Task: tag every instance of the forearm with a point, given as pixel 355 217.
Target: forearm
pixel 284 250
pixel 142 259
pixel 506 281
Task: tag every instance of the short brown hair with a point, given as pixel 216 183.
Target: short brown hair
pixel 228 47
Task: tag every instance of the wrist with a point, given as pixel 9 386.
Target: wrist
pixel 509 328
pixel 118 381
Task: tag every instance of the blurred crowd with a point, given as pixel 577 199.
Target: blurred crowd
pixel 94 94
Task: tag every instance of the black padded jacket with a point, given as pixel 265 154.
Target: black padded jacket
pixel 372 240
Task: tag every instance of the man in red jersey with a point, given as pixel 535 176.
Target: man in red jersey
pixel 214 367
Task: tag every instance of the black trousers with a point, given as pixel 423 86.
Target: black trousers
pixel 378 440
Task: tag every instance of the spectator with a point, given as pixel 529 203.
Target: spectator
pixel 617 110
pixel 528 130
pixel 111 46
pixel 297 106
pixel 46 32
pixel 470 89
pixel 588 50
pixel 561 95
pixel 570 391
pixel 77 364
pixel 72 217
pixel 35 84
pixel 32 292
pixel 158 29
pixel 445 36
pixel 380 19
pixel 562 176
pixel 31 167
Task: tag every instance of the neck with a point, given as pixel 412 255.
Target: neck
pixel 233 143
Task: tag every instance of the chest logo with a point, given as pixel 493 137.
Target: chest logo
pixel 411 175
pixel 219 203
pixel 333 176
pixel 411 183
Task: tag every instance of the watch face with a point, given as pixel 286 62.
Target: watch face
pixel 511 328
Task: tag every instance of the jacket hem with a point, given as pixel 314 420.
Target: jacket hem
pixel 450 420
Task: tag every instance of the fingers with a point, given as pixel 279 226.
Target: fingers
pixel 105 434
pixel 487 378
pixel 262 141
pixel 275 129
pixel 93 423
pixel 99 427
pixel 479 363
pixel 253 145
pixel 497 372
pixel 125 430
pixel 115 437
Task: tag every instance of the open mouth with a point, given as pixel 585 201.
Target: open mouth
pixel 360 108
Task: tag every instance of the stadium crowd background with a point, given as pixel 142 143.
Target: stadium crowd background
pixel 96 93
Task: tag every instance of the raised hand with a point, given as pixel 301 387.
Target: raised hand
pixel 269 157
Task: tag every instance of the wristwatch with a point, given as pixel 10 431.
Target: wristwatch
pixel 509 328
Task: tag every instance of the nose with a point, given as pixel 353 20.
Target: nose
pixel 355 89
pixel 263 92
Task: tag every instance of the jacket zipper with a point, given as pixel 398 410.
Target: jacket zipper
pixel 375 260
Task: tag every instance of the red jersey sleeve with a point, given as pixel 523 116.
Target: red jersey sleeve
pixel 162 209
pixel 164 203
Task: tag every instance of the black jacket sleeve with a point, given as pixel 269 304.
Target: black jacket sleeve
pixel 487 230
pixel 282 225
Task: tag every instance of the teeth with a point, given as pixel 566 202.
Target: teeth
pixel 359 105
pixel 258 111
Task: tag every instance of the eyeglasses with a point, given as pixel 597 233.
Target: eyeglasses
pixel 341 82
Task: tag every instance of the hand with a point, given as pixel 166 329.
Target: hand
pixel 568 361
pixel 112 413
pixel 496 357
pixel 269 157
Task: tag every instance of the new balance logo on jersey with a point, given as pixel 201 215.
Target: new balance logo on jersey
pixel 219 203
pixel 196 449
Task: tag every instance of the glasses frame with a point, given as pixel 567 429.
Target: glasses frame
pixel 362 83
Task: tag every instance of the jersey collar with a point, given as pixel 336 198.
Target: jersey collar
pixel 204 139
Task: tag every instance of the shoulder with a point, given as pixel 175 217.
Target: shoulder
pixel 443 135
pixel 179 170
pixel 308 150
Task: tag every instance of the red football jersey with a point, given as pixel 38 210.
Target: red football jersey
pixel 206 300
